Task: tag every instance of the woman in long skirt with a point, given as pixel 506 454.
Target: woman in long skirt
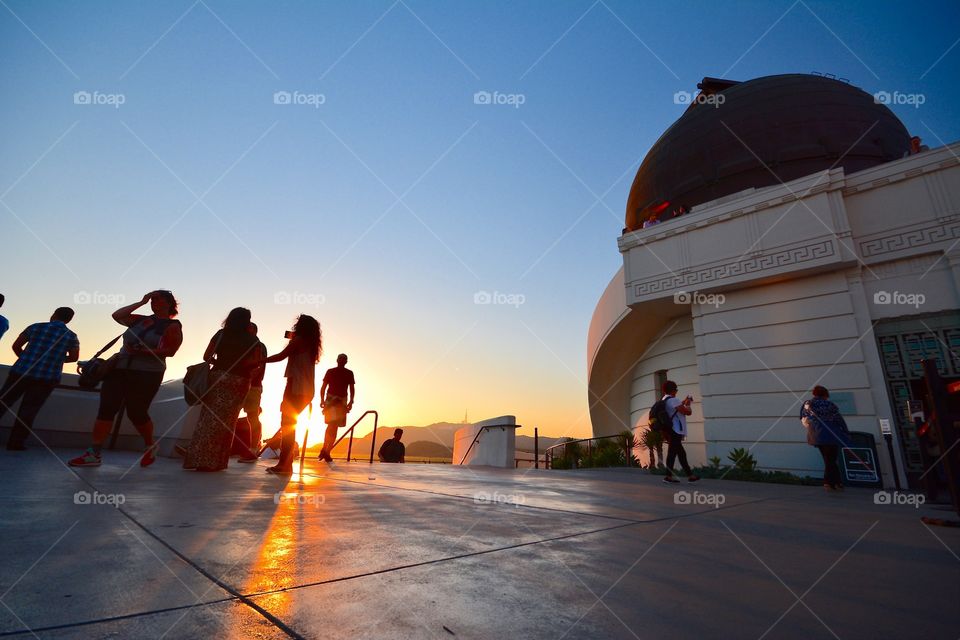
pixel 234 353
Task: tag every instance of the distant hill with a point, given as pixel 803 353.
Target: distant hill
pixel 439 434
pixel 422 449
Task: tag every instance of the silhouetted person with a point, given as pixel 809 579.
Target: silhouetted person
pixel 827 431
pixel 336 399
pixel 4 323
pixel 678 410
pixel 916 146
pixel 393 450
pixel 251 403
pixel 302 354
pixel 41 350
pixel 234 354
pixel 137 372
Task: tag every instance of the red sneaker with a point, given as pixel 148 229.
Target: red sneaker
pixel 88 459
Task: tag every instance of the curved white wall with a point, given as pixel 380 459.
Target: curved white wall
pixel 673 350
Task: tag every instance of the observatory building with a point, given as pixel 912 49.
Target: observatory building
pixel 783 233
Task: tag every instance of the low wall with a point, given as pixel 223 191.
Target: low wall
pixel 495 447
pixel 66 419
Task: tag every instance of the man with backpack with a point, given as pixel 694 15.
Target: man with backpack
pixel 669 416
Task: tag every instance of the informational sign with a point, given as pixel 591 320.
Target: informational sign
pixel 845 401
pixel 885 427
pixel 859 465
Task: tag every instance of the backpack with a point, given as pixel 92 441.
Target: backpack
pixel 659 418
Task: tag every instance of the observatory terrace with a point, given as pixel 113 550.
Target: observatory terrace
pixel 434 551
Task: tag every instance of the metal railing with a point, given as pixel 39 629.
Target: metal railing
pixel 477 437
pixel 373 442
pixel 549 455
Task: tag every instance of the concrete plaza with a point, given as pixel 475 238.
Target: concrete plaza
pixel 434 551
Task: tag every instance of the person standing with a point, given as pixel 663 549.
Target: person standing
pixel 393 450
pixel 678 410
pixel 41 349
pixel 251 403
pixel 302 354
pixel 4 323
pixel 337 394
pixel 233 351
pixel 827 431
pixel 137 373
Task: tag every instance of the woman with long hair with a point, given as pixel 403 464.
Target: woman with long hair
pixel 234 354
pixel 302 354
pixel 137 373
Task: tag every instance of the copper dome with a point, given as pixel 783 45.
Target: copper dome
pixel 759 133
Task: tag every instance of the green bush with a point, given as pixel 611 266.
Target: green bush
pixel 742 460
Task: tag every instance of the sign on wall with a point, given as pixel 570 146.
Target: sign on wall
pixel 859 465
pixel 845 401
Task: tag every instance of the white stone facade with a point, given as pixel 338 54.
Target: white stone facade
pixel 749 301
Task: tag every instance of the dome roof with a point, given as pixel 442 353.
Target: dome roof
pixel 788 126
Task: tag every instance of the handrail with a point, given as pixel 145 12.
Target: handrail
pixel 563 444
pixel 477 437
pixel 548 452
pixel 373 443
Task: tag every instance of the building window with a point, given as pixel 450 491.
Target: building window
pixel 659 377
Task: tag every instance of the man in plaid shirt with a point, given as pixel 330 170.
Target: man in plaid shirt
pixel 41 350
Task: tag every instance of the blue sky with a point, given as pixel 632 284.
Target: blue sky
pixel 386 208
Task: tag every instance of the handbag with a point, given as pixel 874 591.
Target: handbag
pixel 93 371
pixel 196 381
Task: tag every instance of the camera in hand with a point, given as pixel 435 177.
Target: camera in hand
pixel 288 334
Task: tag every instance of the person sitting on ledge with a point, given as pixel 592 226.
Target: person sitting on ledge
pixel 393 450
pixel 651 220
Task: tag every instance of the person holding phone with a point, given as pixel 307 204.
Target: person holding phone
pixel 678 410
pixel 302 354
